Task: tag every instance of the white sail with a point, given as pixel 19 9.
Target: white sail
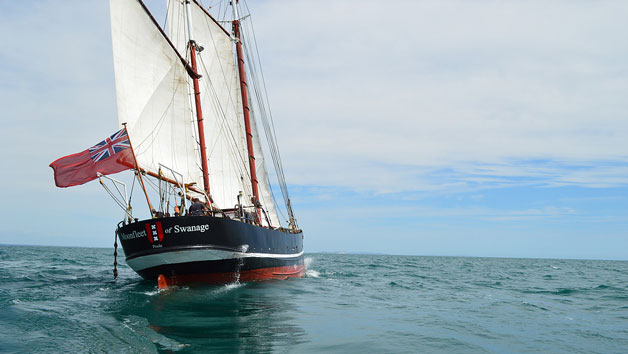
pixel 265 195
pixel 222 110
pixel 152 93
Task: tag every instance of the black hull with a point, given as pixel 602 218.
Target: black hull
pixel 210 249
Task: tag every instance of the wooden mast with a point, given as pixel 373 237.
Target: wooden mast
pixel 197 99
pixel 245 107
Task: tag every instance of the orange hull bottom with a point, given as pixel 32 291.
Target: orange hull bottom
pixel 279 273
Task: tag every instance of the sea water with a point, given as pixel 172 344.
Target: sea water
pixel 56 299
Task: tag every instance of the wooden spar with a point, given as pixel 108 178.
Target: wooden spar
pixel 188 68
pixel 245 106
pixel 200 7
pixel 199 111
pixel 137 168
pixel 169 180
pixel 199 120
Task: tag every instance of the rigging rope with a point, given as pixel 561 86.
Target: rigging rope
pixel 254 63
pixel 210 94
pixel 229 135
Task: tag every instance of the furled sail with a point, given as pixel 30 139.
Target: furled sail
pixel 152 93
pixel 222 110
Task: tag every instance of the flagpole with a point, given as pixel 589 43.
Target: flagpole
pixel 137 169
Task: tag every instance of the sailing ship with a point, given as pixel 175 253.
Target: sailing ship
pixel 191 132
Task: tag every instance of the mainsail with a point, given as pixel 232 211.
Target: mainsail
pixel 154 94
pixel 222 109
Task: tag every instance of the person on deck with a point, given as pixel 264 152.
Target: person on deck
pixel 197 208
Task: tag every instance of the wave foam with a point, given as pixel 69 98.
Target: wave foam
pixel 312 273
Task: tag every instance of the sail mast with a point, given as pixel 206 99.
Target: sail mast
pixel 197 99
pixel 245 106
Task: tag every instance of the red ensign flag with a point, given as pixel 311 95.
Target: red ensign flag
pixel 111 155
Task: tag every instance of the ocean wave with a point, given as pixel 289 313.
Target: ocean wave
pixel 231 286
pixel 414 304
pixel 311 273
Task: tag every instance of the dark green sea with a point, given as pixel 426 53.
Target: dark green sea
pixel 60 300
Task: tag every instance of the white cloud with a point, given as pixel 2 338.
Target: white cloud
pixel 374 96
pixel 360 89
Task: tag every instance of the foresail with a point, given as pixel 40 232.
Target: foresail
pixel 152 93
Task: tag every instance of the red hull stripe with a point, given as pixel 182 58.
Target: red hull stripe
pixel 160 231
pixel 280 273
pixel 149 233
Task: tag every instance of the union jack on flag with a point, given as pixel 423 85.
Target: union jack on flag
pixel 110 146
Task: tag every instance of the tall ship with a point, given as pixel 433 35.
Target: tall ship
pixel 190 98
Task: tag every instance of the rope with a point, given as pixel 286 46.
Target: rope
pixel 264 108
pixel 239 160
pixel 225 137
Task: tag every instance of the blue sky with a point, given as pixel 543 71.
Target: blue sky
pixel 432 127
